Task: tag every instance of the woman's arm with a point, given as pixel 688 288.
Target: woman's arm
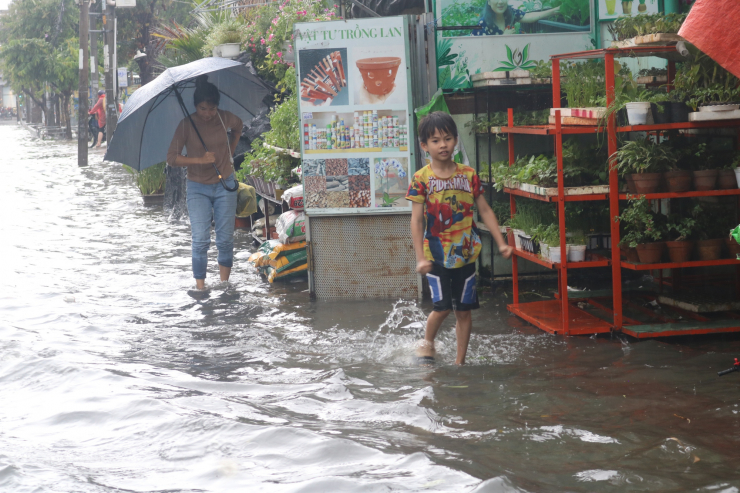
pixel 531 17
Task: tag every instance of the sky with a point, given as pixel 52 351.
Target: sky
pixel 4 4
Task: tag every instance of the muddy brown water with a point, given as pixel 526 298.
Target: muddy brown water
pixel 113 379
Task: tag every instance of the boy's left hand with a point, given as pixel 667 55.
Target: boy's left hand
pixel 505 250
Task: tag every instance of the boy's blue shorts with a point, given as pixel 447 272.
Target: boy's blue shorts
pixel 453 289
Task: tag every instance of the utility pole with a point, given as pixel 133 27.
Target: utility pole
pixel 93 27
pixel 111 117
pixel 82 88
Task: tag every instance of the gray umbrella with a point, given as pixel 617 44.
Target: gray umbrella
pixel 150 117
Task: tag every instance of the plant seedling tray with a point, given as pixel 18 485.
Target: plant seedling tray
pixel 511 74
pixel 703 116
pixel 698 301
pixel 652 79
pixel 589 113
pixel 503 82
pixel 572 120
pixel 660 39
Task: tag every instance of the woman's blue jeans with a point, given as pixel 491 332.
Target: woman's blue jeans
pixel 206 203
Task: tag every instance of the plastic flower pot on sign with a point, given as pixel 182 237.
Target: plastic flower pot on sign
pixel 705 179
pixel 637 113
pixel 661 112
pixel 679 251
pixel 732 247
pixel 577 253
pixel 650 253
pixel 709 249
pixel 678 181
pixel 726 179
pixel 646 182
pixel 679 112
pixel 379 73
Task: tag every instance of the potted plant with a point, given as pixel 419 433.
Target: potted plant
pixel 638 108
pixel 660 104
pixel 577 248
pixel 705 173
pixel 645 161
pixel 642 231
pixel 553 241
pixel 714 221
pixel 680 229
pixel 726 176
pixel 225 39
pixel 151 182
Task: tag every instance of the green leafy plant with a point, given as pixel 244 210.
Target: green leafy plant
pixel 516 59
pixel 643 156
pixel 151 180
pixel 231 30
pixel 639 25
pixel 461 13
pixel 639 223
pixel 583 83
pixel 683 228
pixel 541 70
pixel 713 220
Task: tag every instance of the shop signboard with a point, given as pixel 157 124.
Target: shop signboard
pixel 509 35
pixel 356 120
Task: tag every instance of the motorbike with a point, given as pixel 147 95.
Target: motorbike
pixel 92 131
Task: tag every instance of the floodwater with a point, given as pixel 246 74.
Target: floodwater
pixel 113 379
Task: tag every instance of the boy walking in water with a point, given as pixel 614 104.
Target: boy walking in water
pixel 446 253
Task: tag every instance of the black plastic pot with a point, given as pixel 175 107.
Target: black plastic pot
pixel 664 116
pixel 679 112
pixel 622 119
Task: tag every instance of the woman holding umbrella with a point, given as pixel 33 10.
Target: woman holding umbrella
pixel 207 196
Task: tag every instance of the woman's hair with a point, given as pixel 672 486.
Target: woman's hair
pixel 488 16
pixel 205 91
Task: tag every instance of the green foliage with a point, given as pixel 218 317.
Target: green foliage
pixel 516 60
pixel 639 223
pixel 583 83
pixel 285 125
pixel 642 24
pixel 575 12
pixel 701 79
pixel 643 156
pixel 541 70
pixel 713 220
pixel 531 214
pixel 461 13
pixel 183 45
pixel 683 227
pixel 151 180
pixel 444 57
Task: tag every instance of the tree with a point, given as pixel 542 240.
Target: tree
pixel 27 65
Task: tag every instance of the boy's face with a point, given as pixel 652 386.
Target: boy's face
pixel 440 146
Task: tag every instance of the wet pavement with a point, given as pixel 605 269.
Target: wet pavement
pixel 113 379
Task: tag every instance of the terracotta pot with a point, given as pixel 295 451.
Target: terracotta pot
pixel 705 179
pixel 726 179
pixel 629 254
pixel 650 253
pixel 680 251
pixel 733 247
pixel 630 184
pixel 679 181
pixel 709 249
pixel 646 182
pixel 379 73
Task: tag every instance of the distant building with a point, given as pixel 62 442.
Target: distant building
pixel 7 96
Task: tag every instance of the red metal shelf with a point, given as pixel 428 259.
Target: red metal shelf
pixel 549 198
pixel 678 265
pixel 672 195
pixel 550 129
pixel 681 328
pixel 680 126
pixel 546 315
pixel 592 260
pixel 592 129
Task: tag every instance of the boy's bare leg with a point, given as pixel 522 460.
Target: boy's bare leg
pixel 462 330
pixel 434 322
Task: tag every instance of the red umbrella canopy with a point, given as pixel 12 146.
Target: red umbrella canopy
pixel 713 26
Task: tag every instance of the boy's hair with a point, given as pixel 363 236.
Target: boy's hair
pixel 439 120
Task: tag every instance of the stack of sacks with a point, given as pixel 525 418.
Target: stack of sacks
pixel 285 258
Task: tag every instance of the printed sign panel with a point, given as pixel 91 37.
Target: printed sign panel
pixel 611 9
pixel 353 81
pixel 505 35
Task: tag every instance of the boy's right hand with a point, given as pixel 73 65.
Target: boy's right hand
pixel 424 266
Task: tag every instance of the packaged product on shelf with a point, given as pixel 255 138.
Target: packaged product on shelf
pixel 291 227
pixel 294 197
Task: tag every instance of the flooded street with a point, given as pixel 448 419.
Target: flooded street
pixel 113 379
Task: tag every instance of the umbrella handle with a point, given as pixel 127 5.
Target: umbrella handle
pixel 185 112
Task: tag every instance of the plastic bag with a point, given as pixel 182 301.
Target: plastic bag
pixel 260 223
pixel 273 275
pixel 438 103
pixel 294 197
pixel 291 227
pixel 246 201
pixel 282 248
pixel 289 260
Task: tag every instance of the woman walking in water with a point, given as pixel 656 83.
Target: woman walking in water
pixel 499 18
pixel 208 199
